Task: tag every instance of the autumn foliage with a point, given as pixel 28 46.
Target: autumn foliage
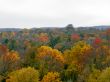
pixel 78 54
pixel 11 57
pixel 51 77
pixel 45 51
pixel 55 55
pixel 24 75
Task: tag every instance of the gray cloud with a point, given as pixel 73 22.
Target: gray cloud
pixel 36 13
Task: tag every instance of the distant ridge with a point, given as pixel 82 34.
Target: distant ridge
pixel 101 27
pixel 10 29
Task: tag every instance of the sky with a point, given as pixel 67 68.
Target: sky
pixel 53 13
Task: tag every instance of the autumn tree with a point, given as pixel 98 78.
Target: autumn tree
pixel 93 76
pixel 76 59
pixel 78 54
pixel 3 49
pixel 108 36
pixel 29 57
pixel 43 38
pixel 101 57
pixel 8 61
pixel 75 37
pixel 1 78
pixel 97 41
pixel 70 73
pixel 24 75
pixel 49 59
pixel 104 76
pixel 51 77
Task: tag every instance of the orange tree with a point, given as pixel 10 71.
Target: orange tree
pixel 8 61
pixel 49 59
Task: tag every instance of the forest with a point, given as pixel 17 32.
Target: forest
pixel 55 55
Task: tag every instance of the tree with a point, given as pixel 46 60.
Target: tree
pixel 78 54
pixel 54 41
pixel 75 37
pixel 24 75
pixel 2 78
pixel 93 76
pixel 97 41
pixel 76 60
pixel 8 61
pixel 51 77
pixel 49 59
pixel 71 73
pixel 12 45
pixel 101 57
pixel 3 49
pixel 105 75
pixel 29 57
pixel 108 36
pixel 43 38
pixel 70 29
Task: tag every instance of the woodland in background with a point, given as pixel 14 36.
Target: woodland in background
pixel 55 55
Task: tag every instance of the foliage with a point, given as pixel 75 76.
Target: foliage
pixel 94 75
pixel 78 54
pixel 105 76
pixel 59 54
pixel 75 37
pixel 10 57
pixel 51 77
pixel 29 58
pixel 45 51
pixel 24 75
pixel 1 78
pixel 8 61
pixel 49 59
pixel 71 73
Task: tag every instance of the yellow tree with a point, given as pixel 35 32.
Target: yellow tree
pixel 78 54
pixel 104 76
pixel 76 59
pixel 49 59
pixel 51 77
pixel 24 75
pixel 93 76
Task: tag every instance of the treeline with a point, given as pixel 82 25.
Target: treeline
pixel 55 55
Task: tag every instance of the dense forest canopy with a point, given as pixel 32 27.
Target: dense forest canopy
pixel 65 54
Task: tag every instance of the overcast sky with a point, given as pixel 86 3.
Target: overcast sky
pixel 40 13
